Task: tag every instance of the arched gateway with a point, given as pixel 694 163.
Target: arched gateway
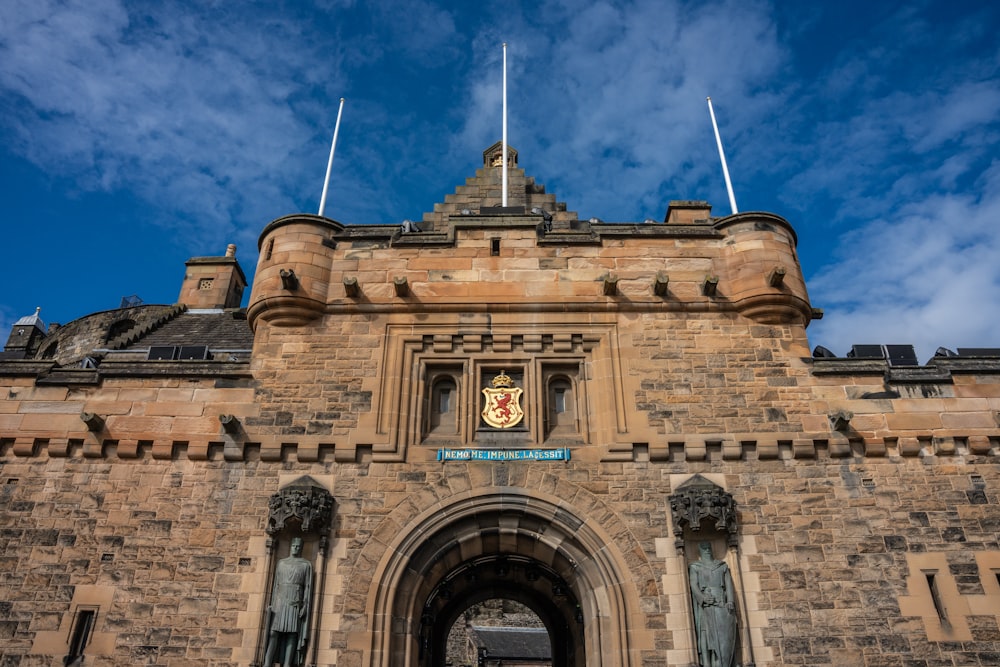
pixel 501 544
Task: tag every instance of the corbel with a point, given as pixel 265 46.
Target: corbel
pixel 777 276
pixel 289 280
pixel 230 423
pixel 840 420
pixel 93 421
pixel 711 285
pixel 660 283
pixel 351 287
pixel 401 285
pixel 610 285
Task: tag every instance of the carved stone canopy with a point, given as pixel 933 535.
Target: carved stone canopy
pixel 493 156
pixel 304 502
pixel 698 500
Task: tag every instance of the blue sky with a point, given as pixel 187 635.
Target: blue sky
pixel 135 135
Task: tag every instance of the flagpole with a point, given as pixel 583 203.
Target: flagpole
pixel 329 164
pixel 722 156
pixel 504 142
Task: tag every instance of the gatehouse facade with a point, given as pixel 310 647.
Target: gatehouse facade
pixel 619 425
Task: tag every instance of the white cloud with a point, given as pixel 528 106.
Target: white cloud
pixel 963 110
pixel 419 29
pixel 928 277
pixel 218 117
pixel 207 114
pixel 901 157
pixel 177 106
pixel 609 111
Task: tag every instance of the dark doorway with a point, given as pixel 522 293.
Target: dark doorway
pixel 510 577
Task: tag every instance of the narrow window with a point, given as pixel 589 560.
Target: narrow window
pixel 270 249
pixel 495 247
pixel 560 399
pixel 936 598
pixel 83 625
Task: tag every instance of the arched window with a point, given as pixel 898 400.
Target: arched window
pixel 561 406
pixel 443 408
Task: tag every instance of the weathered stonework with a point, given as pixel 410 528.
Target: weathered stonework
pixel 866 521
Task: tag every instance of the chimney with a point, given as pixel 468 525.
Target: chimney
pixel 213 282
pixel 687 212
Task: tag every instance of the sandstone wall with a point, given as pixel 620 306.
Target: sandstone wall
pixel 833 553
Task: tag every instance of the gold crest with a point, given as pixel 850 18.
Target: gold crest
pixel 502 403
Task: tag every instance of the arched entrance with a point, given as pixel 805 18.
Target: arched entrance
pixel 501 545
pixel 511 577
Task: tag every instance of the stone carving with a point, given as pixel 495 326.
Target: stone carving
pixel 288 613
pixel 714 601
pixel 502 403
pixel 311 505
pixel 697 500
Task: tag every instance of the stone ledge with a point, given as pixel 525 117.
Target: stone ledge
pixel 748 447
pixel 47 374
pixel 847 366
pixel 939 369
pixel 968 364
pixel 583 231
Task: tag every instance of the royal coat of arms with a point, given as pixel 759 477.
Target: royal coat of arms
pixel 502 403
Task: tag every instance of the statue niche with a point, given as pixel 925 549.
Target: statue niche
pixel 299 516
pixel 704 515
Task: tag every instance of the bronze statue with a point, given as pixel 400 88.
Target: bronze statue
pixel 714 609
pixel 288 613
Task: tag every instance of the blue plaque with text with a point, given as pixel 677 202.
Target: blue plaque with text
pixel 560 454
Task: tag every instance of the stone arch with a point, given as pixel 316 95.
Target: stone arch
pixel 526 531
pixel 520 579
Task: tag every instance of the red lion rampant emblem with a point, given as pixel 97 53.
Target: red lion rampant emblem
pixel 502 408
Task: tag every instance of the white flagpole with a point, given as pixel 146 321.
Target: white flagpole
pixel 504 142
pixel 329 164
pixel 722 156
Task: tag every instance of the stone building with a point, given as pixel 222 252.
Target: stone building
pixel 511 647
pixel 503 403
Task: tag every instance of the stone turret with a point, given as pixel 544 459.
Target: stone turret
pixel 25 337
pixel 761 270
pixel 293 273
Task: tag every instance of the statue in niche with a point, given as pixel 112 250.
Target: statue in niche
pixel 712 593
pixel 288 613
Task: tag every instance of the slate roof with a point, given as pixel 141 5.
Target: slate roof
pixel 32 320
pixel 221 330
pixel 127 334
